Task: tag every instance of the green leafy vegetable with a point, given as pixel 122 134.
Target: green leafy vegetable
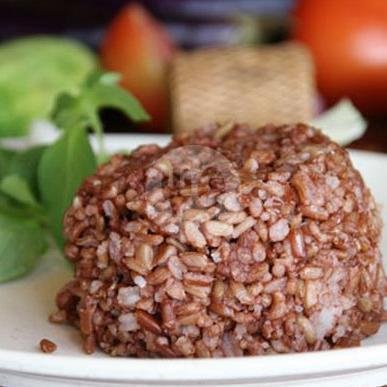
pixel 22 242
pixel 70 160
pixel 99 91
pixel 39 184
pixel 33 71
pixel 62 169
pixel 13 208
pixel 25 164
pixel 18 189
pixel 5 159
pixel 103 94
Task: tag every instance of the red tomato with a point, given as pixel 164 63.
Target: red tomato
pixel 348 40
pixel 138 47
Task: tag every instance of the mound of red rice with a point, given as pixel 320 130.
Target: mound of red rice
pixel 227 242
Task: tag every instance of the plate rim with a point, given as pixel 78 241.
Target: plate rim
pixel 190 370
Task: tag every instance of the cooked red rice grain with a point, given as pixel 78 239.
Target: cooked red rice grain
pixel 47 346
pixel 173 259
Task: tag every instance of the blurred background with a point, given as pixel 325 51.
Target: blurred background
pixel 149 43
pixel 191 23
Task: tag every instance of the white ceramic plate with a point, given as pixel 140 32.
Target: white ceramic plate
pixel 26 303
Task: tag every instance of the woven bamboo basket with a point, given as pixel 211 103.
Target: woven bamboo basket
pixel 271 84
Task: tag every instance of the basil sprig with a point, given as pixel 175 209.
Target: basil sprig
pixel 37 185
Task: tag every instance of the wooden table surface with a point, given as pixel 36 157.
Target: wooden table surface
pixel 375 138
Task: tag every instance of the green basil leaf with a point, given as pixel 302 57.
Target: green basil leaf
pixel 5 160
pixel 22 243
pixel 25 164
pixel 10 207
pixel 63 167
pixel 18 189
pixel 68 112
pixel 105 95
pixel 100 90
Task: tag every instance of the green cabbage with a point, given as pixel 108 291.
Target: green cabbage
pixel 33 71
